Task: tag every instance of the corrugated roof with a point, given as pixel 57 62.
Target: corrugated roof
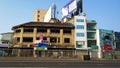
pixel 44 24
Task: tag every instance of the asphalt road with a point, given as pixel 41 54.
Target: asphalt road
pixel 59 64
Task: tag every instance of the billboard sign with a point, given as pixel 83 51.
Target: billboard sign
pixel 107 48
pixel 72 8
pixel 4 45
pixel 42 45
pixel 48 15
pixel 107 40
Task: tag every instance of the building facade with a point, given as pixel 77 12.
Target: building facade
pixel 85 40
pixel 57 34
pixel 105 42
pixel 92 38
pixel 117 40
pixel 6 38
pixel 39 15
pixel 117 44
pixel 80 32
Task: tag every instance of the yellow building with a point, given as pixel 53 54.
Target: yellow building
pixel 58 35
pixel 39 15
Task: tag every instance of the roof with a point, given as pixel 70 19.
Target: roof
pixel 44 24
pixel 7 33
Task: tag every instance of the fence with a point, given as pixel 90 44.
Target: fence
pixel 29 52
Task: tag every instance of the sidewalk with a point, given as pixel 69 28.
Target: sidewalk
pixel 50 59
pixel 35 59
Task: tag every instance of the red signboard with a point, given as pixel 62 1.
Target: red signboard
pixel 107 48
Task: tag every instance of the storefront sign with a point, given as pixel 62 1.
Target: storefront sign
pixel 40 48
pixel 94 47
pixel 107 48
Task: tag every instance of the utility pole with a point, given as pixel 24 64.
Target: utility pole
pixel 54 7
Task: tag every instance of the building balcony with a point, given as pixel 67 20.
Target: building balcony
pixel 44 34
pixel 91 21
pixel 55 34
pixel 91 38
pixel 91 30
pixel 28 34
pixel 16 34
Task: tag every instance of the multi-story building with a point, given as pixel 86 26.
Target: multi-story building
pixel 80 32
pixel 39 15
pixel 117 44
pixel 85 35
pixel 91 33
pixel 117 40
pixel 105 42
pixel 6 38
pixel 58 34
pixel 92 38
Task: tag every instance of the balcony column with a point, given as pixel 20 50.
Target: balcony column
pixel 48 35
pixel 21 36
pixel 34 34
pixel 72 38
pixel 61 36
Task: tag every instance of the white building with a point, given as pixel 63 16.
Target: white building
pixel 80 23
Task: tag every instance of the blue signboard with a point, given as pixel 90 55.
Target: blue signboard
pixel 41 45
pixel 4 45
pixel 117 33
pixel 106 37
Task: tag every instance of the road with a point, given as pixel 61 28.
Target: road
pixel 59 64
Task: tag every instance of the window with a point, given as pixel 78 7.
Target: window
pixel 80 27
pixel 58 40
pixel 27 39
pixel 28 30
pixel 80 20
pixel 80 34
pixel 44 38
pixel 42 30
pixel 38 16
pixel 67 31
pixel 38 11
pixel 117 38
pixel 55 31
pixel 38 19
pixel 18 39
pixel 38 38
pixel 53 39
pixel 18 31
pixel 66 40
pixel 79 44
pixel 91 43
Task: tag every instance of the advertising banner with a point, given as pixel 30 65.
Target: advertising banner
pixel 72 8
pixel 48 15
pixel 107 40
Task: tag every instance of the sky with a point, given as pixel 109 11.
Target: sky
pixel 15 12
